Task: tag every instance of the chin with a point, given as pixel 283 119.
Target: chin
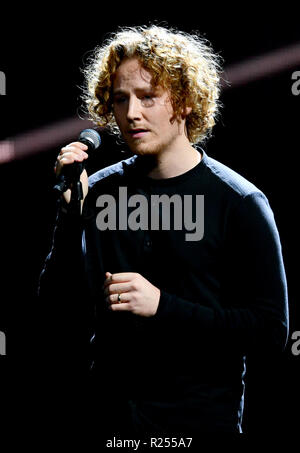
pixel 145 150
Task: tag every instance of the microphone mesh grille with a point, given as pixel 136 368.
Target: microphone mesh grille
pixel 91 135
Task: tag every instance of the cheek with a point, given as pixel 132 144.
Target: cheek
pixel 119 121
pixel 116 114
pixel 161 117
pixel 119 112
pixel 167 114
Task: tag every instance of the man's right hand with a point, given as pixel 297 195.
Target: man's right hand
pixel 74 152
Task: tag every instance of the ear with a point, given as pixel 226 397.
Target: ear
pixel 186 111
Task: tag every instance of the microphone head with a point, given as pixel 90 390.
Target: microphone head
pixel 90 137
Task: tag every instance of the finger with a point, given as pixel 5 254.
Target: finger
pixel 69 158
pixel 78 145
pixel 115 288
pixel 108 279
pixel 119 278
pixel 67 150
pixel 120 307
pixel 124 276
pixel 114 298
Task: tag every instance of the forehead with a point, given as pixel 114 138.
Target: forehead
pixel 131 73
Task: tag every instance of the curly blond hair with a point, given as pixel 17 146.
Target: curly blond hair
pixel 185 64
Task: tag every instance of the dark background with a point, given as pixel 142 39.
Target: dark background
pixel 257 136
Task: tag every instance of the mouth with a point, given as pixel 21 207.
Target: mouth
pixel 137 133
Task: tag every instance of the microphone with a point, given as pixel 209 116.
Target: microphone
pixel 90 138
pixel 71 173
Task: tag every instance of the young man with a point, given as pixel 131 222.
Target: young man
pixel 181 255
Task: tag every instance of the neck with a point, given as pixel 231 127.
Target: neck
pixel 175 162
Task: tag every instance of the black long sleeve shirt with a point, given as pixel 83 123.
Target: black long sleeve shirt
pixel 222 296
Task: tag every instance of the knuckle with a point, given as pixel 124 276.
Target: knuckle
pixel 134 286
pixel 134 297
pixel 79 144
pixel 135 282
pixel 137 279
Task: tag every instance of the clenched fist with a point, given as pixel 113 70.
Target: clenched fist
pixel 74 152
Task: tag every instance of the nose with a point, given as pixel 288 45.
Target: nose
pixel 134 109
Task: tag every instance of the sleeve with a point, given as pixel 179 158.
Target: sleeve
pixel 64 313
pixel 253 313
pixel 60 265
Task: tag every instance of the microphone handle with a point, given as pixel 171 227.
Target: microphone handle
pixel 70 174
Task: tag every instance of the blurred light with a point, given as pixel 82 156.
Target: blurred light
pixel 42 139
pixel 59 133
pixel 7 151
pixel 261 66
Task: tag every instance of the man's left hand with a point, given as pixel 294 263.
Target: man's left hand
pixel 129 291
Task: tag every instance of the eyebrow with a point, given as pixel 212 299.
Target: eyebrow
pixel 151 90
pixel 116 92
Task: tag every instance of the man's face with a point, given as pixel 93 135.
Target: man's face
pixel 143 113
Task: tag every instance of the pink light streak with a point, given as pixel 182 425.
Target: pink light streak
pixel 61 132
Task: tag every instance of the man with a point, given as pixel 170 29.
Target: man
pixel 181 255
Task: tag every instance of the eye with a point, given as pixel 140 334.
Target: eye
pixel 147 100
pixel 148 97
pixel 120 99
